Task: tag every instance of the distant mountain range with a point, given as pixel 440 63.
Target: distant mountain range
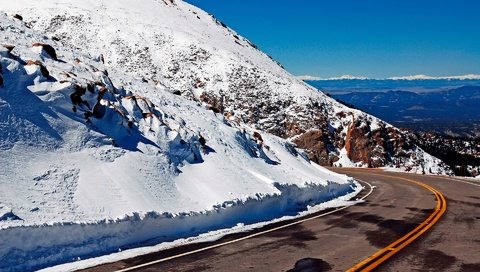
pixel 411 77
pixel 448 106
pixel 442 115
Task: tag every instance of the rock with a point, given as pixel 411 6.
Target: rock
pixel 76 96
pixel 202 140
pixel 257 136
pixel 6 213
pixel 91 87
pixel 9 47
pixel 99 111
pixel 43 69
pixel 48 49
pixel 315 144
pixel 18 17
pixel 293 129
pixel 214 104
pixel 357 143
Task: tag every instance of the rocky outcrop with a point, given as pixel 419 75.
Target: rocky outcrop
pixel 315 143
pixel 42 67
pixel 9 47
pixel 357 144
pixel 48 49
pixel 462 154
pixel 18 17
pixel 213 102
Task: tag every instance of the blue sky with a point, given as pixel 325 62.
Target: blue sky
pixel 374 38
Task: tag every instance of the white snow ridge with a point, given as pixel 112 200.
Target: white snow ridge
pixel 97 150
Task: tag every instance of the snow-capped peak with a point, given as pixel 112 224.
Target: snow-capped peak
pixel 412 77
pixel 344 77
pixel 425 77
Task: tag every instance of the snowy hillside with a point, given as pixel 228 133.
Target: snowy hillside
pixel 94 159
pixel 175 46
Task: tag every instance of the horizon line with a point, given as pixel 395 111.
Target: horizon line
pixel 410 77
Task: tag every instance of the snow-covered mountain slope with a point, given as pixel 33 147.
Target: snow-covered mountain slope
pixel 173 45
pixel 94 158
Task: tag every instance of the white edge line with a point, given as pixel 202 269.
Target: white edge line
pixel 248 236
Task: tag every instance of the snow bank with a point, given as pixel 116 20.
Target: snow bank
pixel 46 245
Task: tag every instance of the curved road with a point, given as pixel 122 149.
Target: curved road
pixel 342 239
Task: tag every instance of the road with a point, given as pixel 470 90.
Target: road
pixel 340 240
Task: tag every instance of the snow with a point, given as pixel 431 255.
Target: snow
pixel 309 77
pixel 410 77
pixel 430 165
pixel 344 161
pixel 135 172
pixel 425 77
pixel 343 201
pixel 343 77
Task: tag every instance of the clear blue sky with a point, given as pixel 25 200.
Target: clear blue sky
pixel 374 38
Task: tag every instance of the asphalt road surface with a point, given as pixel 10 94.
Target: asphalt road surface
pixel 342 239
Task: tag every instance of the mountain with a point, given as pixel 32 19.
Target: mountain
pixel 460 153
pixel 446 111
pixel 344 77
pixel 376 85
pixel 425 77
pixel 402 78
pixel 193 54
pixel 132 123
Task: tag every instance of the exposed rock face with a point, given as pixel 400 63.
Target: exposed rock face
pixel 213 102
pixel 315 143
pixel 376 148
pixel 357 144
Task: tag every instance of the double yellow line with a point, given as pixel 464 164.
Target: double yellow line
pixel 382 255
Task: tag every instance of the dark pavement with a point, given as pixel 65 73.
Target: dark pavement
pixel 340 240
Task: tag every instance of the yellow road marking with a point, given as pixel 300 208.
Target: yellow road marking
pixel 384 254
